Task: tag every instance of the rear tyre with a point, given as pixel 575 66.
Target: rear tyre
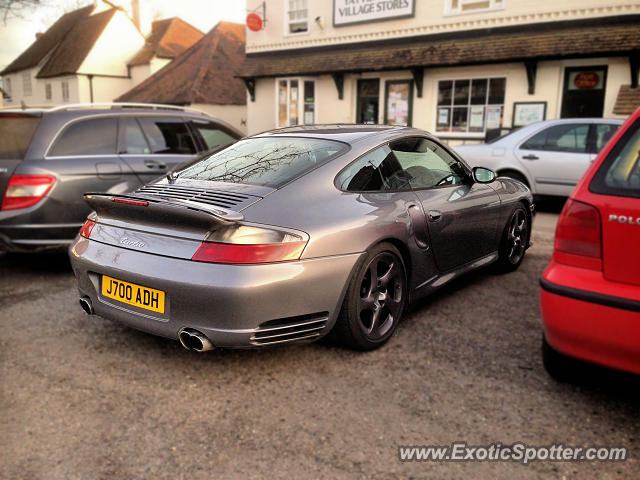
pixel 374 301
pixel 515 240
pixel 558 366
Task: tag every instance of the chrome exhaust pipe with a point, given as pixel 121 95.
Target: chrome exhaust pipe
pixel 192 339
pixel 87 306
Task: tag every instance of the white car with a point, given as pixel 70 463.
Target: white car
pixel 550 157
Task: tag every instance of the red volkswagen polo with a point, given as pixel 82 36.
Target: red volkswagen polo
pixel 590 291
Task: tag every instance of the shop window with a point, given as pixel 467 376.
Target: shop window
pixel 297 20
pixel 26 84
pixel 455 7
pixel 296 102
pixel 470 105
pixel 398 102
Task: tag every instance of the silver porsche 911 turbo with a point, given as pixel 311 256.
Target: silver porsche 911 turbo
pixel 293 234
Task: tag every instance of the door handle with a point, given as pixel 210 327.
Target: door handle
pixel 530 157
pixel 434 215
pixel 155 164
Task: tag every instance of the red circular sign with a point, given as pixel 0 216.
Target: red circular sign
pixel 586 80
pixel 254 22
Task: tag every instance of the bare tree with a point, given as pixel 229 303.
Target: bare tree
pixel 16 8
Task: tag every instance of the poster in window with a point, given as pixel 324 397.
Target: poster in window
pixel 494 117
pixel 525 113
pixel 443 119
pixel 398 103
pixel 476 119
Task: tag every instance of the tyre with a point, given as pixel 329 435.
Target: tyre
pixel 374 301
pixel 515 240
pixel 557 365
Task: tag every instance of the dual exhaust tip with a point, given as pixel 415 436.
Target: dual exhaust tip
pixel 190 338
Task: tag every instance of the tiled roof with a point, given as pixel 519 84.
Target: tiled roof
pixel 39 49
pixel 201 74
pixel 484 47
pixel 168 39
pixel 627 101
pixel 76 45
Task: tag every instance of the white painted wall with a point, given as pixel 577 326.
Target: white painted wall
pixel 549 82
pixel 119 42
pixel 430 17
pixel 232 114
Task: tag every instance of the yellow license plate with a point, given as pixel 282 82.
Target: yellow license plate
pixel 132 294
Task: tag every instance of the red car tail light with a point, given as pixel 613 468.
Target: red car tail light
pixel 578 236
pixel 26 190
pixel 85 231
pixel 244 244
pixel 130 202
pixel 265 253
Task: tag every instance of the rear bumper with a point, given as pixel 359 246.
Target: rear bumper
pixel 228 303
pixel 583 318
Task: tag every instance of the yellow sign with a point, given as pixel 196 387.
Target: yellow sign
pixel 132 294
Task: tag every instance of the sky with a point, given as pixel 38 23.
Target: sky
pixel 18 33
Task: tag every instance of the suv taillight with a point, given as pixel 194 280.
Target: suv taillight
pixel 26 190
pixel 578 236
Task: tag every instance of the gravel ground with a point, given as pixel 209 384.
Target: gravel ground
pixel 86 398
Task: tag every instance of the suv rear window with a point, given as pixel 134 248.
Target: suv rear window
pixel 15 135
pixel 269 162
pixel 619 174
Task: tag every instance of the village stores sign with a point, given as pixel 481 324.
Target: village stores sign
pixel 348 12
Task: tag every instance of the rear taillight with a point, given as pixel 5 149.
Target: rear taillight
pixel 578 236
pixel 26 190
pixel 85 231
pixel 244 244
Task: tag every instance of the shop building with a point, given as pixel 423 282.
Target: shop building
pixel 457 68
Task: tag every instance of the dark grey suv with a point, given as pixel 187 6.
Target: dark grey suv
pixel 50 158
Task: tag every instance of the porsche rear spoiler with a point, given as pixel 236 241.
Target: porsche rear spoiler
pixel 108 203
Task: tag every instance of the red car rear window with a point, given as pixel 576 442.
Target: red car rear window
pixel 619 174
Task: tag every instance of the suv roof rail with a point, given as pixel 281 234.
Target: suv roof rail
pixel 116 105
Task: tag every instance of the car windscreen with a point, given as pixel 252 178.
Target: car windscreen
pixel 16 131
pixel 265 161
pixel 619 174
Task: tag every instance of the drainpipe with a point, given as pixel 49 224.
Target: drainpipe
pixel 90 77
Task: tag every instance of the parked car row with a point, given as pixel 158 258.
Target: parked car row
pixel 347 223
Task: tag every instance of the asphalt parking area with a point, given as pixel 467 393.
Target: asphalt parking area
pixel 88 398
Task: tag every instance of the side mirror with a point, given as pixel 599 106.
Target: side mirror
pixel 483 175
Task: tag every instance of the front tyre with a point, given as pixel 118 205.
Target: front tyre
pixel 374 301
pixel 515 240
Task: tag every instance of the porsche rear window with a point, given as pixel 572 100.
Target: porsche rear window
pixel 269 162
pixel 15 135
pixel 619 174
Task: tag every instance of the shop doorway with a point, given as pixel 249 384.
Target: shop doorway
pixel 368 101
pixel 583 91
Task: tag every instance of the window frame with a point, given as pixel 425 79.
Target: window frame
pixel 64 86
pixel 6 86
pixel 449 10
pixel 301 100
pixel 451 106
pixel 27 86
pixel 48 91
pixel 387 143
pixel 287 21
